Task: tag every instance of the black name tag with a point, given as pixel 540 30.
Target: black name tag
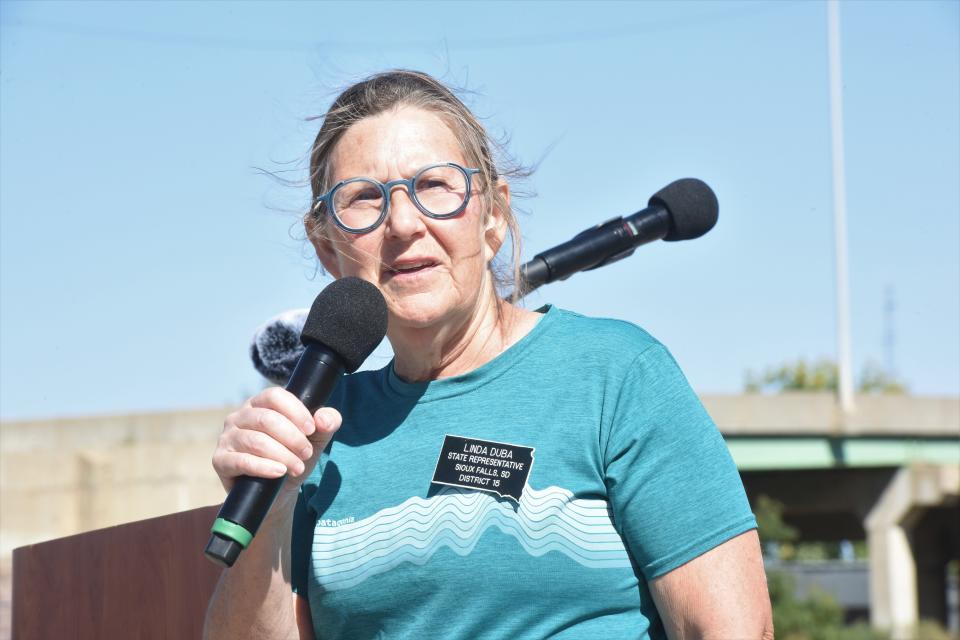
pixel 497 467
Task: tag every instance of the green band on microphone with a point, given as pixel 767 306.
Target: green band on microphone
pixel 233 531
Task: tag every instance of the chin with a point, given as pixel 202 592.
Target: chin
pixel 421 319
pixel 420 314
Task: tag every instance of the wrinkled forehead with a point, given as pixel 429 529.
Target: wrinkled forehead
pixel 394 144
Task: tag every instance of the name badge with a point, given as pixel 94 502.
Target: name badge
pixel 497 467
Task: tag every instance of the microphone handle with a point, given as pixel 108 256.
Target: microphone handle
pixel 533 274
pixel 652 223
pixel 595 246
pixel 313 380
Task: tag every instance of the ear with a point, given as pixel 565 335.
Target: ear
pixel 495 230
pixel 323 246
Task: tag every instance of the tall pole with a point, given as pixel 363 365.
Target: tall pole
pixel 844 366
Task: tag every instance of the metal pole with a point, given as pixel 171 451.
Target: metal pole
pixel 844 366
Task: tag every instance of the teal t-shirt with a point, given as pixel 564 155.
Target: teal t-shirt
pixel 629 479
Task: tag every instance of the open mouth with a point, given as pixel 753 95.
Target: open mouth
pixel 408 268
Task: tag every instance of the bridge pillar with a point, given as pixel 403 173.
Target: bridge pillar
pixel 889 526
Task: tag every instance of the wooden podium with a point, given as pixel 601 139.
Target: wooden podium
pixel 143 580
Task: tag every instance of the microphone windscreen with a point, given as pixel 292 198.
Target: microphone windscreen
pixel 276 348
pixel 349 317
pixel 692 205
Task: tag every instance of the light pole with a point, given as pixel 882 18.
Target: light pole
pixel 844 365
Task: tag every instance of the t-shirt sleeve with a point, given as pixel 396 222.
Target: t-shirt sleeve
pixel 673 486
pixel 301 543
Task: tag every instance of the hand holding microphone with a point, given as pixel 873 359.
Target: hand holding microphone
pixel 272 444
pixel 273 436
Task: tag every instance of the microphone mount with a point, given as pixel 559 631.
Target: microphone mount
pixel 596 247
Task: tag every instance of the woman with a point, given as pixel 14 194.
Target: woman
pixel 511 474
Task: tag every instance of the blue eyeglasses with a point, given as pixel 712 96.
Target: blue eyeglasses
pixel 360 205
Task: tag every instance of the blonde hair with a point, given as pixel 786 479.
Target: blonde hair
pixel 400 87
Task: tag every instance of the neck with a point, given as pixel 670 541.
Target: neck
pixel 429 353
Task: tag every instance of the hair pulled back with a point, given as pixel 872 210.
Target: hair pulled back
pixel 398 88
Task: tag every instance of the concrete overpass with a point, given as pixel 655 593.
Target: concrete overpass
pixel 887 473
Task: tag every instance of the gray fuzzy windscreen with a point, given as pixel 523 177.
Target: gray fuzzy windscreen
pixel 276 346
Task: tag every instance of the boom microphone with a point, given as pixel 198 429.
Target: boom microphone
pixel 346 323
pixel 682 210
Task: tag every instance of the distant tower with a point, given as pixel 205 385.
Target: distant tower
pixel 889 335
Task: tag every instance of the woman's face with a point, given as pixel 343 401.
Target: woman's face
pixel 430 271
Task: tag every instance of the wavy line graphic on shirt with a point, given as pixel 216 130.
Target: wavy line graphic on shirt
pixel 547 520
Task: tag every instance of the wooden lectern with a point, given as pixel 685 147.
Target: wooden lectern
pixel 143 580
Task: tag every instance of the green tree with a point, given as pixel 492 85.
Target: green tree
pixel 770 525
pixel 818 375
pixel 874 379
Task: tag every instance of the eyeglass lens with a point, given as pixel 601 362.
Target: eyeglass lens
pixel 439 191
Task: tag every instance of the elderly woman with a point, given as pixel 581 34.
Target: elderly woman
pixel 625 515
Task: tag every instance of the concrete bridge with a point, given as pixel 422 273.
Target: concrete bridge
pixel 888 473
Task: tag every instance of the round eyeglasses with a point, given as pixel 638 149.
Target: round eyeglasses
pixel 360 205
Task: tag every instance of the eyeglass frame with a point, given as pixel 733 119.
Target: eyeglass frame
pixel 387 188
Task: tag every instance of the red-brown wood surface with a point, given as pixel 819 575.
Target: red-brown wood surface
pixel 146 579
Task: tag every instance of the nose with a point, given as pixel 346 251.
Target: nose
pixel 404 219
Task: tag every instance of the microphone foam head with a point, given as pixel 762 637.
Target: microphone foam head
pixel 692 205
pixel 349 317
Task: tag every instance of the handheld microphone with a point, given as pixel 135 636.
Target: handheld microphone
pixel 346 323
pixel 682 210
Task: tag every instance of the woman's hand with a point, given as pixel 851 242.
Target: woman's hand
pixel 271 435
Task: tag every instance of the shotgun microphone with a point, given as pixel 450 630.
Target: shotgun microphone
pixel 346 323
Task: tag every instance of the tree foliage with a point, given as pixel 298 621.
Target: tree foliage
pixel 770 525
pixel 819 375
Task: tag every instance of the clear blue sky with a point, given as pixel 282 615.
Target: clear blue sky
pixel 139 249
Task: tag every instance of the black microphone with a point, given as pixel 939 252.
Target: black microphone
pixel 346 323
pixel 682 210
